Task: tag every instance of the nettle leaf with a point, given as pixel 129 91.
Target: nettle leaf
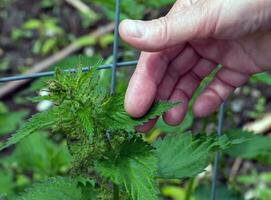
pixel 54 188
pixel 115 117
pixel 38 154
pixel 157 109
pixel 134 169
pixel 254 147
pixel 85 120
pixel 182 155
pixel 39 121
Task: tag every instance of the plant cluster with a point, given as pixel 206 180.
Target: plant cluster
pixel 108 158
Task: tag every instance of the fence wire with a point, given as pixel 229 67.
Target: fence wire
pixel 115 64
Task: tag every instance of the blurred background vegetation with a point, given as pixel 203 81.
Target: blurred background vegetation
pixel 33 31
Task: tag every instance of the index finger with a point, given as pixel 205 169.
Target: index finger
pixel 143 85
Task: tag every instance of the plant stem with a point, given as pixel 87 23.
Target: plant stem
pixel 115 192
pixel 189 189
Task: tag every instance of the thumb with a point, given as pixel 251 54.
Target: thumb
pixel 180 26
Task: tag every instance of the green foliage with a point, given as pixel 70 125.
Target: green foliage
pixel 182 155
pixel 133 166
pixel 131 8
pixel 223 193
pixel 263 77
pixel 40 155
pixel 98 131
pixel 50 35
pixel 67 63
pixel 37 122
pixel 6 183
pixel 116 117
pixel 255 146
pixel 185 125
pixel 102 144
pixel 78 61
pixel 158 3
pixel 258 184
pixel 9 121
pixel 55 188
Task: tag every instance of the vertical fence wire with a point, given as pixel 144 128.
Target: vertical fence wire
pixel 114 72
pixel 217 155
pixel 115 47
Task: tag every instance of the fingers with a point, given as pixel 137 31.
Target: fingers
pixel 224 83
pixel 146 127
pixel 143 85
pixel 177 27
pixel 178 67
pixel 185 89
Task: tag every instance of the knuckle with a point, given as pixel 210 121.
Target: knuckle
pixel 162 31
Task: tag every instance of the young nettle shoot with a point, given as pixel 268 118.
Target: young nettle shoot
pixel 105 149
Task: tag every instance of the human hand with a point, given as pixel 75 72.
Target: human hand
pixel 183 47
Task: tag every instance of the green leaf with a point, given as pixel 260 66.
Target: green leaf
pixel 182 155
pixel 254 147
pixel 157 109
pixel 86 121
pixel 114 117
pixel 134 169
pixel 38 154
pixel 39 121
pixel 263 77
pixel 54 189
pixel 184 126
pixel 10 121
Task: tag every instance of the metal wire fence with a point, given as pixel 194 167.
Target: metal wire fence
pixel 115 64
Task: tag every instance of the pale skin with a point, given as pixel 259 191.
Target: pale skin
pixel 183 47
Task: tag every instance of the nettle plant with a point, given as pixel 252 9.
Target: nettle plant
pixel 109 160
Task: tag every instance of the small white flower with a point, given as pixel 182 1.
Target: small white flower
pixel 44 92
pixel 44 105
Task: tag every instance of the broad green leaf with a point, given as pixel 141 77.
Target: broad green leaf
pixel 10 121
pixel 39 121
pixel 54 189
pixel 115 117
pixel 182 155
pixel 134 168
pixel 38 154
pixel 157 109
pixel 254 147
pixel 184 126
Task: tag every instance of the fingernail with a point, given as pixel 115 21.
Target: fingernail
pixel 134 28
